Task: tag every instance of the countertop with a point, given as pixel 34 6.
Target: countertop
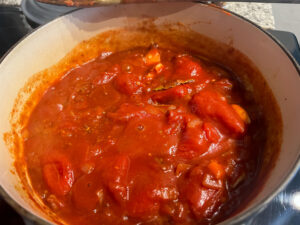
pixel 257 12
pixel 284 17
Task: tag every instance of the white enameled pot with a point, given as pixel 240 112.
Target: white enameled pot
pixel 48 44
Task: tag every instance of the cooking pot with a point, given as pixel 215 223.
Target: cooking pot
pixel 50 43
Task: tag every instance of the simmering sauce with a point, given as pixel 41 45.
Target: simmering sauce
pixel 144 136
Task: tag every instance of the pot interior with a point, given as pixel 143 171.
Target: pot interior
pixel 50 44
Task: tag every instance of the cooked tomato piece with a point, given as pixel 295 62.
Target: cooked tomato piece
pixel 142 207
pixel 203 192
pixel 212 104
pixel 177 210
pixel 193 143
pixel 216 169
pixel 212 133
pixel 186 67
pixel 115 177
pixel 58 174
pixel 203 201
pixel 153 182
pixel 129 84
pixel 171 94
pixel 182 168
pixel 177 118
pixel 210 182
pixel 178 114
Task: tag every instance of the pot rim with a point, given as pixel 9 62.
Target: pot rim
pixel 239 218
pixel 236 219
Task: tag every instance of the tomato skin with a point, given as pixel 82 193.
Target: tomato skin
pixel 58 174
pixel 210 103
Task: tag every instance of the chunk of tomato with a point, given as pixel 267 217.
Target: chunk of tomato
pixel 171 94
pixel 58 174
pixel 142 207
pixel 128 84
pixel 177 119
pixel 186 67
pixel 193 143
pixel 203 201
pixel 115 177
pixel 208 103
pixel 212 133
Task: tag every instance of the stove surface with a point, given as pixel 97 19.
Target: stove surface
pixel 13 26
pixel 282 210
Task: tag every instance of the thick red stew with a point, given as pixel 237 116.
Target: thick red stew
pixel 144 136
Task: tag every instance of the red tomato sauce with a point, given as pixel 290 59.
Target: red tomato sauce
pixel 145 136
